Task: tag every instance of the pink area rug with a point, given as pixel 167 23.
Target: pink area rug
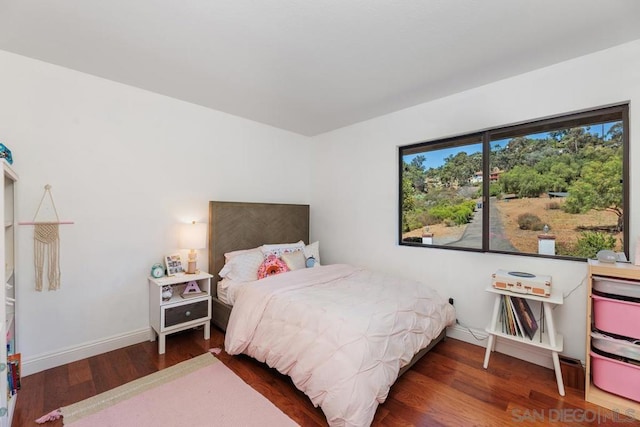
pixel 198 392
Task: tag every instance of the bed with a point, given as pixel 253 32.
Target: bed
pixel 330 328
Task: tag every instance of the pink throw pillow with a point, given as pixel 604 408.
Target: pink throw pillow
pixel 271 266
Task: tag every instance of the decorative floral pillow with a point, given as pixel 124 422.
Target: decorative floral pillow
pixel 279 249
pixel 271 266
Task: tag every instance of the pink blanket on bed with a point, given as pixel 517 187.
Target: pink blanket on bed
pixel 341 333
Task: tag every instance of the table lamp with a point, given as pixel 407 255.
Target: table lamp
pixel 193 236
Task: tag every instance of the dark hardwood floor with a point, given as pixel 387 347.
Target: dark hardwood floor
pixel 447 387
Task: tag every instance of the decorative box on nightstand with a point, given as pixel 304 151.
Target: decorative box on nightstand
pixel 179 313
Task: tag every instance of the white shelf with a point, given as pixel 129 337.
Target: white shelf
pixel 8 303
pixel 555 298
pixel 180 278
pixel 177 299
pixel 12 406
pixel 548 339
pixel 535 341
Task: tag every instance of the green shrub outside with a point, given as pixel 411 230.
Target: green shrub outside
pixel 458 214
pixel 591 242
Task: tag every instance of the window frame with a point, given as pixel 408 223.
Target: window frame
pixel 617 112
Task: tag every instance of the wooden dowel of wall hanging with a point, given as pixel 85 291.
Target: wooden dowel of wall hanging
pixel 45 222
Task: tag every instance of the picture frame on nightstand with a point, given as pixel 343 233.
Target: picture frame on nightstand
pixel 174 264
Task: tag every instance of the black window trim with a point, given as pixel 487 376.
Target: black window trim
pixel 606 113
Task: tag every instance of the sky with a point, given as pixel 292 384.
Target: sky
pixel 436 158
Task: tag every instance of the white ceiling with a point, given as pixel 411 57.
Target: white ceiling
pixel 311 66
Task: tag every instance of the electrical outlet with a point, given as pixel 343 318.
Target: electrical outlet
pixel 451 302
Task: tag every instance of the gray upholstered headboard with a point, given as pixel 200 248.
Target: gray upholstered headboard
pixel 240 225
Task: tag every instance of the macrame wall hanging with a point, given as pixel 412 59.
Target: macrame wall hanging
pixel 46 243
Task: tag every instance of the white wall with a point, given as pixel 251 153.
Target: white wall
pixel 355 185
pixel 126 166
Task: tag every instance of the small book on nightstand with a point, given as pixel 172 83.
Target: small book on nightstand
pixel 192 294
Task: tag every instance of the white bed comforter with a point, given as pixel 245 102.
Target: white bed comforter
pixel 340 332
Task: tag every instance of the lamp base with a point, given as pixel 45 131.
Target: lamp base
pixel 191 268
pixel 191 262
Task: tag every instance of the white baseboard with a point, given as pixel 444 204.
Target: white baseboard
pixel 31 365
pixel 459 332
pixel 41 362
pixel 535 355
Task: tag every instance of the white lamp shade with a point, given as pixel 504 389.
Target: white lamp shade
pixel 193 236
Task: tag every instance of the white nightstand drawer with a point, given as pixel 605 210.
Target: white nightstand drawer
pixel 186 313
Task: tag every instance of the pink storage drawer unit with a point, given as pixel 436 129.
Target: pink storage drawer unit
pixel 616 316
pixel 615 376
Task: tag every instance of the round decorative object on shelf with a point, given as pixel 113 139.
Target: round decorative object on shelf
pixel 167 292
pixel 157 270
pixel 606 256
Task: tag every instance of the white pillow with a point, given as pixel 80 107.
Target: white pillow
pixel 229 255
pixel 313 250
pixel 294 260
pixel 243 267
pixel 280 248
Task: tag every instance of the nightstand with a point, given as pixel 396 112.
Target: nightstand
pixel 179 313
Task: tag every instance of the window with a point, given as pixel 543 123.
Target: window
pixel 555 187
